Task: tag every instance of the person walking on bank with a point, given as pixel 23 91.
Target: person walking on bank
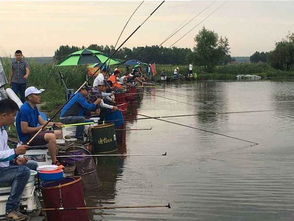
pixel 20 73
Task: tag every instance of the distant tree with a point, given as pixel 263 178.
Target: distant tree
pixel 259 57
pixel 282 57
pixel 64 51
pixel 210 50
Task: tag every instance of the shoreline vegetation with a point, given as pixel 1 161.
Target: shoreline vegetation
pixel 46 75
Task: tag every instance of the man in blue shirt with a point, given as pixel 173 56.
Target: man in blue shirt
pixel 75 110
pixel 29 122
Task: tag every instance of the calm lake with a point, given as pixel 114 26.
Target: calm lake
pixel 205 176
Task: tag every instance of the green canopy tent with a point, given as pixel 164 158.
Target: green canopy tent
pixel 87 57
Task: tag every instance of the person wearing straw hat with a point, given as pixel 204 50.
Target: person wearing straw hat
pixel 29 122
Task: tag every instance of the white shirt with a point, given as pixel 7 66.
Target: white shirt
pixel 6 154
pixel 99 79
pixel 175 71
pixel 121 80
pixel 190 67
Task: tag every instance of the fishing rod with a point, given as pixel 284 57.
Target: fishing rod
pixel 198 24
pixel 89 123
pixel 105 62
pixel 206 113
pixel 128 129
pixel 186 23
pixel 171 99
pixel 207 131
pixel 106 207
pixel 127 24
pixel 114 155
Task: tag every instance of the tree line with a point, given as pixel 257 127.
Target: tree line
pixel 147 54
pixel 210 50
pixel 282 57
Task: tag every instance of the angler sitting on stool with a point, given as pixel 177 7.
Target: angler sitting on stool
pixel 29 122
pixel 75 110
pixel 14 170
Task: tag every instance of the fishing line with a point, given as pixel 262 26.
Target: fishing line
pixel 207 131
pixel 186 23
pixel 198 23
pixel 105 62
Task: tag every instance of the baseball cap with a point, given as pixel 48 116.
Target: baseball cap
pixel 33 90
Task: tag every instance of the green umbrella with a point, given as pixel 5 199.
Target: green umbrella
pixel 87 57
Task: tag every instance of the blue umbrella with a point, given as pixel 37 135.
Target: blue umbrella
pixel 132 62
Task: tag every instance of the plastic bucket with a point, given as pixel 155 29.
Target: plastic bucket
pixel 103 138
pixel 114 117
pixel 51 176
pixel 120 98
pixel 131 94
pixel 66 193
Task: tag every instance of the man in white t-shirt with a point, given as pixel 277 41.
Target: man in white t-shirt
pixel 190 68
pixel 14 169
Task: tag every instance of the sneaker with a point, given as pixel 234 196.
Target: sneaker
pixel 16 216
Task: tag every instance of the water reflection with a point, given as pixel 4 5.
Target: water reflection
pixel 205 176
pixel 109 170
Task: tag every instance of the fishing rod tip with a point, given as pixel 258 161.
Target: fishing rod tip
pixel 164 154
pixel 168 205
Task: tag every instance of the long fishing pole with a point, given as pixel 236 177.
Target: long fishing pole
pixel 107 207
pixel 206 113
pixel 137 129
pixel 207 131
pixel 114 155
pixel 198 24
pixel 105 62
pixel 171 99
pixel 185 24
pixel 127 24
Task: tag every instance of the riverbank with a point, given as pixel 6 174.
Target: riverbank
pixel 47 76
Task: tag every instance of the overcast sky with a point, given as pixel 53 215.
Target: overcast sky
pixel 38 28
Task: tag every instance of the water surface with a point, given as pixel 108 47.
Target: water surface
pixel 206 176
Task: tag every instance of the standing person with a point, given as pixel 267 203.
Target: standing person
pixel 190 69
pixel 29 122
pixel 18 173
pixel 20 73
pixel 176 72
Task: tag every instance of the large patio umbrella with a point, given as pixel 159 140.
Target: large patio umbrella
pixel 134 62
pixel 87 57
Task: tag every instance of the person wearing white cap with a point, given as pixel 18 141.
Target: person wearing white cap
pixel 29 121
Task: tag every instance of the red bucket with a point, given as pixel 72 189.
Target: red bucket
pixel 66 193
pixel 120 98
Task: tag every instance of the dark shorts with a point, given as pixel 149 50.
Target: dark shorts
pixel 40 138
